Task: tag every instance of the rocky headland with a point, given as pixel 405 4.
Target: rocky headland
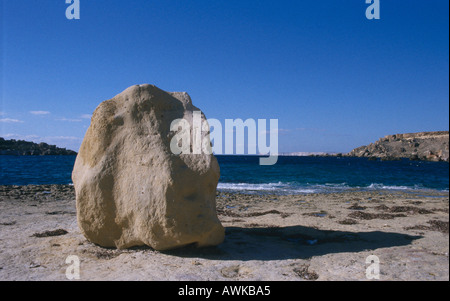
pixel 25 148
pixel 428 146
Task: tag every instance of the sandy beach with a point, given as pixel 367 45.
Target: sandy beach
pixel 268 237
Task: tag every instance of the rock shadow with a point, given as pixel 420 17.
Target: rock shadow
pixel 294 242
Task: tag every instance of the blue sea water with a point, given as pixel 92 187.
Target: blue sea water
pixel 291 175
pixel 25 170
pixel 298 175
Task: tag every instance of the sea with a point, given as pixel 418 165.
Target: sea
pixel 243 174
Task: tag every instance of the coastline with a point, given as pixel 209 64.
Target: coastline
pixel 268 237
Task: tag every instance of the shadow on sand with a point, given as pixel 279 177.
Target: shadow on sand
pixel 294 242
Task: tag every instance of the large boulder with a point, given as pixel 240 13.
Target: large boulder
pixel 131 189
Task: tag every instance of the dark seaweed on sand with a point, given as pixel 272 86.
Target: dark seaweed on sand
pixel 58 232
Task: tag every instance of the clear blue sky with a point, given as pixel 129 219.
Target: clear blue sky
pixel 334 79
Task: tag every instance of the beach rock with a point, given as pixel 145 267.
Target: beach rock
pixel 131 190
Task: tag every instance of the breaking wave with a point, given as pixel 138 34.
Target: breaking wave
pixel 295 188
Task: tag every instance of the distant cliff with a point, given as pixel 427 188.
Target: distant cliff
pixel 429 146
pixel 24 148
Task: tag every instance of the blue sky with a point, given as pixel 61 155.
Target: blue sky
pixel 334 79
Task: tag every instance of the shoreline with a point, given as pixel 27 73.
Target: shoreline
pixel 15 190
pixel 268 237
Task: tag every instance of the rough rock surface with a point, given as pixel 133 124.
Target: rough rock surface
pixel 131 190
pixel 429 146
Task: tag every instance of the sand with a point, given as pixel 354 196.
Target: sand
pixel 303 237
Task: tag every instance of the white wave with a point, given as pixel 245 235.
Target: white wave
pixel 248 186
pixel 380 186
pixel 282 188
pixel 377 186
pixel 293 188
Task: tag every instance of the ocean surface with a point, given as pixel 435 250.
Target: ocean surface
pixel 291 175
